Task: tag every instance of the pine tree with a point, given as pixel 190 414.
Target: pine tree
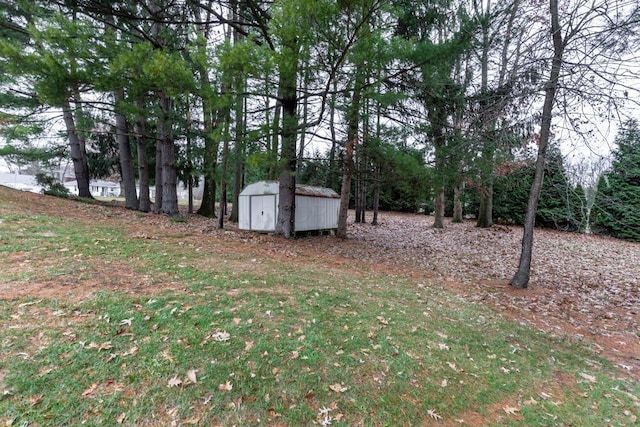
pixel 617 204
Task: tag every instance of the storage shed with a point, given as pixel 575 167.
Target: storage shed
pixel 316 207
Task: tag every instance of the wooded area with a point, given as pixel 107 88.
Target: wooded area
pixel 451 107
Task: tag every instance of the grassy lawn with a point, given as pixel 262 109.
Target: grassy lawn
pixel 220 337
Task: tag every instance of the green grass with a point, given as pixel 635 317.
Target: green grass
pixel 270 342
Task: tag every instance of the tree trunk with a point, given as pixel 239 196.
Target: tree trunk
pixel 80 164
pixel 223 179
pixel 157 206
pixel 239 145
pixel 438 221
pixel 457 203
pixel 211 145
pixel 210 158
pixel 439 141
pixel 521 278
pixel 332 176
pixel 144 204
pixel 285 224
pixel 189 167
pixel 275 135
pixel 304 119
pixel 485 211
pixel 169 172
pixel 239 152
pixel 352 141
pixel 126 157
pixel 376 195
pixel 341 232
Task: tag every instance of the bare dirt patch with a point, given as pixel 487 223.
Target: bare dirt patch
pixel 582 287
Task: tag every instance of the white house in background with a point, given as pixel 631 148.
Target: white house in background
pixel 20 182
pixel 316 208
pixel 97 187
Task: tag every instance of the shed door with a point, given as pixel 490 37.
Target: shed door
pixel 263 213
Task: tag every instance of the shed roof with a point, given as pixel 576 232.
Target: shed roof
pixel 272 187
pixel 312 191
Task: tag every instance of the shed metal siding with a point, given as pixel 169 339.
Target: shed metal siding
pixel 244 212
pixel 316 213
pixel 264 211
pixel 316 207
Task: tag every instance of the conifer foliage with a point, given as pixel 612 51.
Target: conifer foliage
pixel 617 204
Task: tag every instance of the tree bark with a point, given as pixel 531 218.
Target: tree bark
pixel 376 195
pixel 157 206
pixel 438 220
pixel 457 203
pixel 169 172
pixel 522 276
pixel 352 141
pixel 78 154
pixel 126 157
pixel 485 211
pixel 238 151
pixel 332 175
pixel 211 144
pixel 144 204
pixel 285 224
pixel 272 150
pixel 437 117
pixel 341 232
pixel 239 144
pixel 223 179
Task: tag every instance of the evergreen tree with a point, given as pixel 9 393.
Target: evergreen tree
pixel 617 205
pixel 561 204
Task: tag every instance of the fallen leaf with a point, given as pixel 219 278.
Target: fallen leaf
pixel 248 345
pixel 120 419
pixel 454 367
pixel 338 388
pixel 35 400
pixel 273 413
pixel 88 392
pixel 174 382
pixel 434 415
pixel 227 386
pixel 221 336
pixel 589 378
pixel 133 350
pixel 105 346
pixel 191 376
pixel 510 410
pixel 167 356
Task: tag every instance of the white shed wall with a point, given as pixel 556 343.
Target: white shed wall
pixel 316 213
pixel 244 212
pixel 258 209
pixel 258 212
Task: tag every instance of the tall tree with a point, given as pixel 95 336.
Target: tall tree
pixel 586 25
pixel 521 278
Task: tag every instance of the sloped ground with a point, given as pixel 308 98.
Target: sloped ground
pixel 582 287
